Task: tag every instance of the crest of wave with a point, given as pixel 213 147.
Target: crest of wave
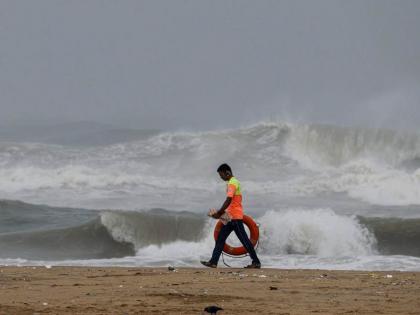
pixel 318 232
pixel 365 180
pixel 315 145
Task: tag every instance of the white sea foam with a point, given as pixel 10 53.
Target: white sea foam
pixel 271 159
pixel 315 145
pixel 377 262
pixel 367 181
pixel 290 238
pixel 318 232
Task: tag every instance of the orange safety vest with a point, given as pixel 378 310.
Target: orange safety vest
pixel 233 190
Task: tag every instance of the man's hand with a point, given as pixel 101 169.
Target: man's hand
pixel 216 215
pixel 213 213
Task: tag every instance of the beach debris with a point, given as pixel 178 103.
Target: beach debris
pixel 273 288
pixel 45 303
pixel 324 275
pixel 48 266
pixel 212 309
pixel 262 276
pixel 171 268
pixel 388 276
pixel 239 274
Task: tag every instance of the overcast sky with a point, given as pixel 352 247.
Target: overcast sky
pixel 209 64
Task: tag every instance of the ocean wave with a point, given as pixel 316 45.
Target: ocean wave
pixel 366 181
pixel 41 232
pixel 153 227
pixel 311 143
pixel 86 241
pixel 323 145
pixel 62 234
pixel 318 232
pixel 376 166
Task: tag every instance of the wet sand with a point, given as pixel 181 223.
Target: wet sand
pixel 85 290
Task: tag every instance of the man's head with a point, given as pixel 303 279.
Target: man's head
pixel 225 172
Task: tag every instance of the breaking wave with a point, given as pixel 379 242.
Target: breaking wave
pixel 376 166
pixel 164 235
pixel 315 232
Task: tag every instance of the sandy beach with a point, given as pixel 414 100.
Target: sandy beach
pixel 85 290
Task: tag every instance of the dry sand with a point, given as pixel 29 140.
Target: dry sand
pixel 73 290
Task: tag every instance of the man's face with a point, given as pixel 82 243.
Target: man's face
pixel 224 176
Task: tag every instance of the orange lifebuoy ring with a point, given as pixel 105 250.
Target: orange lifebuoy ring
pixel 240 250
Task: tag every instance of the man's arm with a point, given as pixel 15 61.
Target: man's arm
pixel 222 210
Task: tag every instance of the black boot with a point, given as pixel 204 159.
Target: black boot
pixel 208 264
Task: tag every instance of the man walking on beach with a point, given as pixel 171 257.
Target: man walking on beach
pixel 231 213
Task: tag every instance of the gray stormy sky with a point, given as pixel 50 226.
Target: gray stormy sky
pixel 208 64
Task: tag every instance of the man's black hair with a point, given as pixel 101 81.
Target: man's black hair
pixel 224 168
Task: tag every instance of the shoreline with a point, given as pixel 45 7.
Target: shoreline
pixel 119 290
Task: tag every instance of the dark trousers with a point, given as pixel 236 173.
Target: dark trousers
pixel 238 227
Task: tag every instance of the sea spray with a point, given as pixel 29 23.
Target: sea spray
pixel 274 161
pixel 318 232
